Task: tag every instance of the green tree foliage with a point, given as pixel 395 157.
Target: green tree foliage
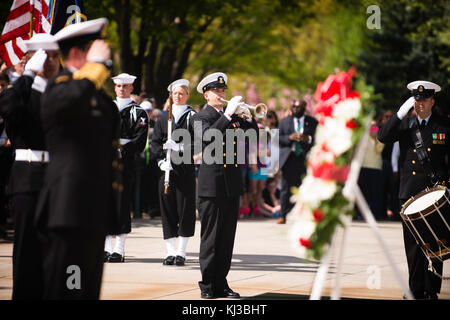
pixel 412 44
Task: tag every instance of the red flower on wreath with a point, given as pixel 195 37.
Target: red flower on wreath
pixel 305 243
pixel 336 88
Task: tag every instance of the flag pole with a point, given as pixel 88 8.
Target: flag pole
pixel 31 17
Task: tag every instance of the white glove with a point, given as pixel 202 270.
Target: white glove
pixel 165 165
pixel 37 61
pixel 244 113
pixel 233 105
pixel 404 109
pixel 172 145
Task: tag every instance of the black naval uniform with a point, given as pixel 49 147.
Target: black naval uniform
pixel 76 206
pixel 178 205
pixel 133 126
pixel 219 189
pixel 20 105
pixel 413 179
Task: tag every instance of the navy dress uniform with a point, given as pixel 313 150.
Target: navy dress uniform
pixel 20 105
pixel 133 137
pixel 220 186
pixel 178 204
pixel 76 206
pixel 414 177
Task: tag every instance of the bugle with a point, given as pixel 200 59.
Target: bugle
pixel 260 108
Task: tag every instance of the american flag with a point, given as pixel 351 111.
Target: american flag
pixel 18 24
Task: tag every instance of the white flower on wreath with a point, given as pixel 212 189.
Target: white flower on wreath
pixel 347 110
pixel 318 155
pixel 336 135
pixel 301 229
pixel 314 190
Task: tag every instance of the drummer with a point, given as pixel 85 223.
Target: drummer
pixel 421 164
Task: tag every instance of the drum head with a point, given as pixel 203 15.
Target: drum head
pixel 424 202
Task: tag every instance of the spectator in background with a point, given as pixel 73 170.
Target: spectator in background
pixel 390 198
pixel 370 178
pixel 296 139
pixel 271 123
pixel 271 199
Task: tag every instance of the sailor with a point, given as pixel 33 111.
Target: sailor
pixel 133 136
pixel 418 173
pixel 20 105
pixel 219 185
pixel 177 198
pixel 75 210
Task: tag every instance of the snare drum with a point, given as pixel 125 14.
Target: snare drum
pixel 427 216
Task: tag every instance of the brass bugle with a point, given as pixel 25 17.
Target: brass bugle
pixel 260 108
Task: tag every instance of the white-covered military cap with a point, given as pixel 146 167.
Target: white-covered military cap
pixel 81 33
pixel 178 83
pixel 213 81
pixel 42 41
pixel 124 78
pixel 423 89
pixel 146 105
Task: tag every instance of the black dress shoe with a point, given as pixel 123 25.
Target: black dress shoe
pixel 116 257
pixel 228 293
pixel 179 261
pixel 106 256
pixel 169 261
pixel 207 295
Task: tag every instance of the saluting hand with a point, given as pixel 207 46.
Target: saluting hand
pixel 37 61
pixel 99 51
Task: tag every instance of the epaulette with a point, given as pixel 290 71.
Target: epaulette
pixel 63 78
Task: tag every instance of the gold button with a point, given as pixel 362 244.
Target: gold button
pixel 223 143
pixel 414 173
pixel 224 154
pixel 114 185
pixel 236 165
pixel 114 164
pixel 224 165
pixel 415 150
pixel 235 154
pixel 234 142
pixel 413 162
pixel 429 149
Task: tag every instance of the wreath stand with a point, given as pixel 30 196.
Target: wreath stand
pixel 353 193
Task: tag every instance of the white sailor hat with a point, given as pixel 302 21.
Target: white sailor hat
pixel 423 89
pixel 213 81
pixel 78 34
pixel 178 83
pixel 42 41
pixel 124 78
pixel 146 105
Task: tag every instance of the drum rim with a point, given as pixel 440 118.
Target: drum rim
pixel 428 210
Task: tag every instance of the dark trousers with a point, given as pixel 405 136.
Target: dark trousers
pixel 420 279
pixel 292 172
pixel 218 218
pixel 28 283
pixel 178 206
pixel 72 257
pixel 370 182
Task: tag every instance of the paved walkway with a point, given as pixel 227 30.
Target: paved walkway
pixel 264 265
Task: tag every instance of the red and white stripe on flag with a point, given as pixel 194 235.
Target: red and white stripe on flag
pixel 17 28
